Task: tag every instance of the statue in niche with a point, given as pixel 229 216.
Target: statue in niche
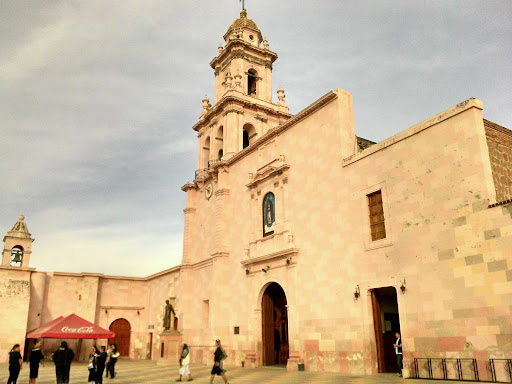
pixel 169 315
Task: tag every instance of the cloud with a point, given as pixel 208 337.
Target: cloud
pixel 98 101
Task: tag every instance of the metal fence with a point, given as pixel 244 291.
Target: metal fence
pixel 500 370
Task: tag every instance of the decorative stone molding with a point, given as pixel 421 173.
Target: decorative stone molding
pixel 274 168
pixel 286 257
pixel 233 110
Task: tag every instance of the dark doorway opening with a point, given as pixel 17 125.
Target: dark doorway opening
pixel 275 326
pixel 386 320
pixel 122 329
pixel 245 139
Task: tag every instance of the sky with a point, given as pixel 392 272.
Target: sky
pixel 98 100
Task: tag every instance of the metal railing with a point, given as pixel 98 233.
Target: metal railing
pixel 446 369
pixel 499 375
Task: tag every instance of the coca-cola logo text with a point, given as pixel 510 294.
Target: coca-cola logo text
pixel 78 330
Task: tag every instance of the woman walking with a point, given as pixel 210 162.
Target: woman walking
pixel 184 363
pixel 217 369
pixel 92 365
pixel 35 358
pixel 15 364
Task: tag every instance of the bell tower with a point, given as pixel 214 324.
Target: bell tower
pixel 243 109
pixel 17 245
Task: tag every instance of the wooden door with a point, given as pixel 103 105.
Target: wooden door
pixel 267 315
pixel 122 329
pixel 377 324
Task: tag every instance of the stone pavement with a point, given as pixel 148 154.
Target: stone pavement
pixel 144 371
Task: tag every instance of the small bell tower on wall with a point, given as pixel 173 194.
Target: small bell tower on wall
pixel 17 245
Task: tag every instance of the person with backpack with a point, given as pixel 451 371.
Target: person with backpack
pixel 15 364
pixel 62 359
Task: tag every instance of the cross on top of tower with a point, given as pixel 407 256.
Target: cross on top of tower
pixel 243 4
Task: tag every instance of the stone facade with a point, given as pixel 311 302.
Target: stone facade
pixel 447 249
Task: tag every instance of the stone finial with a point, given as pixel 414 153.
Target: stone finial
pixel 229 80
pixel 238 80
pixel 281 96
pixel 206 105
pixel 221 48
pixel 21 217
pixel 265 43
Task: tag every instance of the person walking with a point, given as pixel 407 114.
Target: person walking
pixel 219 355
pixel 101 360
pixel 92 365
pixel 34 359
pixel 111 361
pixel 398 352
pixel 15 364
pixel 62 359
pixel 184 363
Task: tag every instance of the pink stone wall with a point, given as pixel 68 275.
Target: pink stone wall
pixel 14 301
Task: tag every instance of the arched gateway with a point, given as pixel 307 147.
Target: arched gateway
pixel 274 317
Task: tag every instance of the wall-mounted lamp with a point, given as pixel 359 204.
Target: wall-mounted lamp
pixel 106 311
pixel 402 287
pixel 247 271
pixel 138 312
pixel 266 268
pixel 288 261
pixel 357 292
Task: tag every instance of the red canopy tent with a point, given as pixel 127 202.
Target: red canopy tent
pixel 70 327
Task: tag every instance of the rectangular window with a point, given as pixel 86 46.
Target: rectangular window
pixel 237 330
pixel 377 226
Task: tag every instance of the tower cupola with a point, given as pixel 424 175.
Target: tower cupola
pixel 17 245
pixel 244 29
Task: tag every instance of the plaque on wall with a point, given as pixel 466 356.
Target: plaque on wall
pixel 269 214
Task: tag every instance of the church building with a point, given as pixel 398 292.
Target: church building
pixel 306 245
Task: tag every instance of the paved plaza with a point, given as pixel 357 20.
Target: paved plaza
pixel 141 371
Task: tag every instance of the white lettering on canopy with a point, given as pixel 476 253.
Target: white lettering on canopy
pixel 77 330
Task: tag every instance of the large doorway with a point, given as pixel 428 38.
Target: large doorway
pixel 274 316
pixel 122 329
pixel 386 321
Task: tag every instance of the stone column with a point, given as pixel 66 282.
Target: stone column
pixel 187 245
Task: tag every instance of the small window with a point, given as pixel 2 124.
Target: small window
pixel 16 256
pixel 245 139
pixel 269 214
pixel 252 78
pixel 377 226
pixel 237 330
pixel 221 153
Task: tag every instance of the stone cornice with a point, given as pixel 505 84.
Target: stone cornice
pixel 188 186
pixel 239 45
pixel 459 108
pixel 285 253
pixel 324 100
pixel 189 210
pixel 206 120
pixel 222 192
pixel 17 269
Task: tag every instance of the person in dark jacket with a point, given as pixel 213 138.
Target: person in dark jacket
pixel 35 358
pixel 62 359
pixel 101 360
pixel 398 352
pixel 217 369
pixel 15 364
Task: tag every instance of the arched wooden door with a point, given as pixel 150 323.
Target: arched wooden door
pixel 274 318
pixel 122 329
